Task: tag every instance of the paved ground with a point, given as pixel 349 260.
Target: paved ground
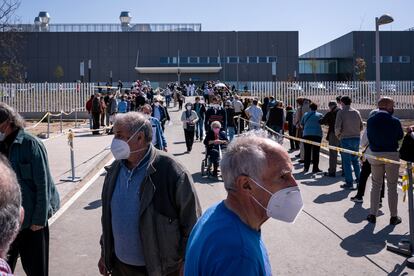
pixel 330 237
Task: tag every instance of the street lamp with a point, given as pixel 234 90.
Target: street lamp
pixel 384 19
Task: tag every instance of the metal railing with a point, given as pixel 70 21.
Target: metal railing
pixel 363 94
pixel 46 97
pixel 179 27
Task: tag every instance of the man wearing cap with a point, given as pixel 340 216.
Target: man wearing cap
pixel 329 120
pixel 385 146
pixel 28 158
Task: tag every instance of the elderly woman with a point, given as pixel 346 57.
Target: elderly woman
pixel 312 131
pixel 216 139
pixel 189 118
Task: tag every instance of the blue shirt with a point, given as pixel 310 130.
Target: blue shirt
pixel 122 107
pixel 311 125
pixel 157 113
pixel 221 244
pixel 125 207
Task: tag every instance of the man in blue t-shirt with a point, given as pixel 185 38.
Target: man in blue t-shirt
pixel 227 239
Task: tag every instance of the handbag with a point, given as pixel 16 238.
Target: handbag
pixel 189 126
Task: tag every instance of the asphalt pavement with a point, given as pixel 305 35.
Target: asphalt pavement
pixel 330 237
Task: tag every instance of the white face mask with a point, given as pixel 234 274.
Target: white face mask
pixel 284 205
pixel 157 104
pixel 188 107
pixel 121 150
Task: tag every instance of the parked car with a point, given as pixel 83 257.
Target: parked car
pixel 317 86
pixel 343 88
pixel 392 88
pixel 294 87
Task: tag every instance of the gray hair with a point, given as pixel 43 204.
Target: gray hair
pixel 10 204
pixel 215 123
pixel 8 113
pixel 245 155
pixel 134 121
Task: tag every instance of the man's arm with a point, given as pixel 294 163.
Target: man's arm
pixel 188 208
pixel 338 124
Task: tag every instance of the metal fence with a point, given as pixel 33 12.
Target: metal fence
pixel 363 94
pixel 46 97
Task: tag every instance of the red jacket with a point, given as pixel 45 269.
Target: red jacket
pixel 89 105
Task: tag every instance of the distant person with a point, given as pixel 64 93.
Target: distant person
pixel 257 175
pixel 122 105
pixel 348 127
pixel 200 109
pixel 265 108
pixel 88 107
pixel 28 158
pixel 215 113
pixel 238 111
pixel 11 212
pixel 290 113
pixel 329 120
pixel 149 205
pixel 215 141
pixel 275 118
pixel 189 119
pixel 158 138
pixel 312 131
pixel 96 113
pixel 384 133
pixel 160 112
pixel 103 111
pixel 231 126
pixel 254 114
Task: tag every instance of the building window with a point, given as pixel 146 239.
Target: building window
pixel 193 60
pixel 252 59
pixel 183 60
pixel 242 59
pixel 233 59
pixel 404 59
pixel 172 60
pixel 262 59
pixel 213 60
pixel 271 59
pixel 164 60
pixel 203 60
pixel 386 59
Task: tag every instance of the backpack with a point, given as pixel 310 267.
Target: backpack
pixel 407 148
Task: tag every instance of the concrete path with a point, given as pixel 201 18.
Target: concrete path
pixel 330 237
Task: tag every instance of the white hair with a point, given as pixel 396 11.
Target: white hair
pixel 134 121
pixel 245 155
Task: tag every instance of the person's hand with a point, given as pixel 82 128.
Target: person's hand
pixel 35 228
pixel 216 142
pixel 166 149
pixel 102 268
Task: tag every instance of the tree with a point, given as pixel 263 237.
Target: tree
pixel 59 73
pixel 360 68
pixel 10 42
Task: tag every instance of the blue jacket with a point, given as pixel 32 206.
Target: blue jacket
pixel 160 141
pixel 311 125
pixel 384 131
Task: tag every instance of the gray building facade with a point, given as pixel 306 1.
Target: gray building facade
pixel 336 60
pixel 242 56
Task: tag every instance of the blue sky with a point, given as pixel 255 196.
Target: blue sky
pixel 318 21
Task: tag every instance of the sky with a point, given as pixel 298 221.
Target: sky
pixel 318 21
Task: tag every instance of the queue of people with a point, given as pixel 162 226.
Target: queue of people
pixel 152 222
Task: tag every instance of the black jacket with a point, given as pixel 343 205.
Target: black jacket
pixel 202 110
pixel 211 137
pixel 213 114
pixel 275 117
pixel 329 120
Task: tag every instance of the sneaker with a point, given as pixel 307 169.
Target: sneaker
pixel 395 220
pixel 316 171
pixel 357 199
pixel 346 186
pixel 305 170
pixel 371 219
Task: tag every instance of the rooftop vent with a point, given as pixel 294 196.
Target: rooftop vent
pixel 44 17
pixel 125 18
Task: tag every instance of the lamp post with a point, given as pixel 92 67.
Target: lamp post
pixel 384 19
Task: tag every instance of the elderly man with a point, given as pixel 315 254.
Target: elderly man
pixel 11 212
pixel 348 127
pixel 28 158
pixel 149 205
pixel 254 114
pixel 386 146
pixel 257 174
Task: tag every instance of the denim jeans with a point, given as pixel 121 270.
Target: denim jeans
pixel 199 128
pixel 230 132
pixel 349 161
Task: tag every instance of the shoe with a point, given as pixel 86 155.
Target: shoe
pixel 305 170
pixel 357 199
pixel 371 219
pixel 297 155
pixel 316 171
pixel 329 174
pixel 301 161
pixel 395 220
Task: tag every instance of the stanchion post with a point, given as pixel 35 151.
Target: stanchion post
pixel 48 125
pixel 73 177
pixel 76 117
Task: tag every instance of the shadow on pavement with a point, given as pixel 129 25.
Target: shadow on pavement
pixel 180 154
pixel 398 268
pixel 324 181
pixel 333 197
pixel 179 143
pixel 198 178
pixel 366 242
pixel 94 205
pixel 356 214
